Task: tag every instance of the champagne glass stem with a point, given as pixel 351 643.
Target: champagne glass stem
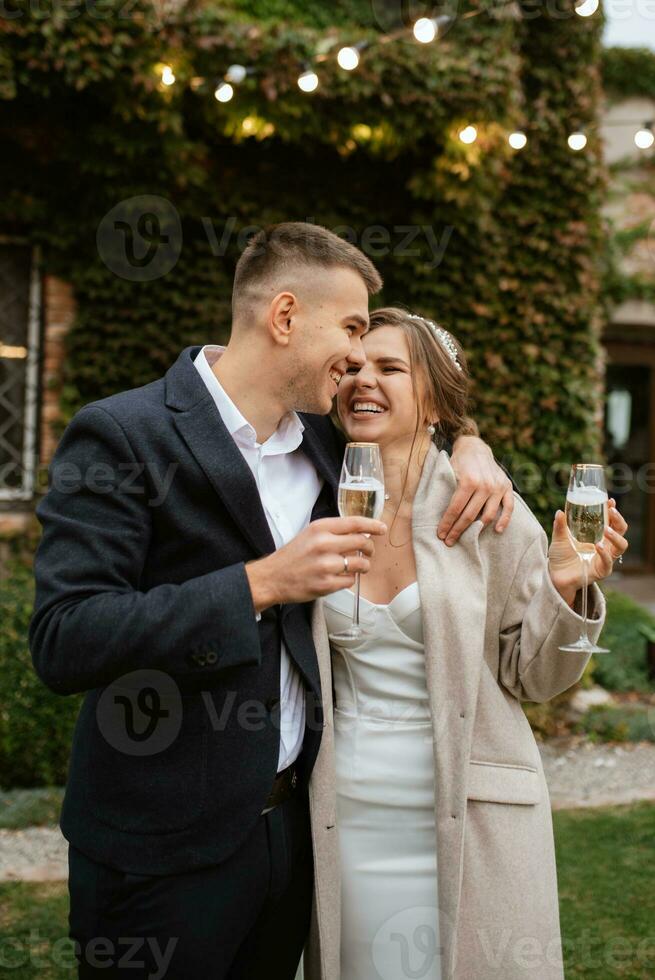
pixel 356 608
pixel 585 583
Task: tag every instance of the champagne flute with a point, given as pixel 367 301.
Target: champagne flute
pixel 586 517
pixel 361 494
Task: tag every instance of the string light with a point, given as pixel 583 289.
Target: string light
pixel 236 74
pixel 577 141
pixel 468 135
pixel 517 140
pixel 427 28
pixel 348 58
pixel 224 92
pixel 645 138
pixel 308 81
pixel 587 8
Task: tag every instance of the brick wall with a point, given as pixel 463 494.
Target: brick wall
pixel 58 311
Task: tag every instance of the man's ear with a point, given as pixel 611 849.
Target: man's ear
pixel 281 311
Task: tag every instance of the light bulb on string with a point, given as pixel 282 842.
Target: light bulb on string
pixel 427 28
pixel 308 81
pixel 224 92
pixel 236 74
pixel 468 135
pixel 348 58
pixel 167 75
pixel 577 140
pixel 587 8
pixel 517 140
pixel 644 138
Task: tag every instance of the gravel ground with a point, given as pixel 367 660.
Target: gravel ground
pixel 578 773
pixel 33 854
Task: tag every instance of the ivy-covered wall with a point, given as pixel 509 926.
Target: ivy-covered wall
pixel 629 73
pixel 503 247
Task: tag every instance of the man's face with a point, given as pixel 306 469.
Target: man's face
pixel 330 320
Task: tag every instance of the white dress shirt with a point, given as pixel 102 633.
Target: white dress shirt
pixel 288 486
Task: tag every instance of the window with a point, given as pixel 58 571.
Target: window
pixel 20 305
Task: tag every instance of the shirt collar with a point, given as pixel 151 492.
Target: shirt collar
pixel 286 438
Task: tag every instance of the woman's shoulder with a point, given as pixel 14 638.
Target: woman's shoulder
pixel 437 485
pixel 522 532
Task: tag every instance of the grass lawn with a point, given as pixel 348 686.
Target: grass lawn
pixel 30 807
pixel 607 902
pixel 625 668
pixel 606 871
pixel 34 931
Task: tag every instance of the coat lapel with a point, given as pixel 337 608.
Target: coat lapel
pixel 200 425
pixel 453 601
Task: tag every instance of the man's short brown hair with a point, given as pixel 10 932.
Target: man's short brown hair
pixel 293 243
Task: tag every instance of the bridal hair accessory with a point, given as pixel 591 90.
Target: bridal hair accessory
pixel 442 336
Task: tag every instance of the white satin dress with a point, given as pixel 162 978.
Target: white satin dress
pixel 385 791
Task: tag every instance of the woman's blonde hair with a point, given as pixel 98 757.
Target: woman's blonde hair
pixel 446 389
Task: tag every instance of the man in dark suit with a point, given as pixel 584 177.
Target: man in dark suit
pixel 187 528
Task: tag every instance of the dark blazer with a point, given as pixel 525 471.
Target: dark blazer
pixel 142 602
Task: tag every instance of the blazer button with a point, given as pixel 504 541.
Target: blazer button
pixel 212 657
pixel 200 660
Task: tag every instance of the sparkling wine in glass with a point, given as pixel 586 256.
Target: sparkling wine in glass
pixel 586 517
pixel 361 494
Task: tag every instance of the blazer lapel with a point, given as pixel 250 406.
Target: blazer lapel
pixel 200 424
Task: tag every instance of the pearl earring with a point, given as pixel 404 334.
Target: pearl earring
pixel 431 429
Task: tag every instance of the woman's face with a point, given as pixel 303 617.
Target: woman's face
pixel 376 402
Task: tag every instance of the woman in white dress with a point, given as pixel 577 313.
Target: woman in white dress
pixel 412 391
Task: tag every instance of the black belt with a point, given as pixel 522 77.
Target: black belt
pixel 284 786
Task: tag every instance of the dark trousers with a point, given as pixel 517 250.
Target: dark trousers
pixel 244 919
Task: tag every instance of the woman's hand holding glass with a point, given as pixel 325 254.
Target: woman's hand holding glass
pixel 587 539
pixel 564 561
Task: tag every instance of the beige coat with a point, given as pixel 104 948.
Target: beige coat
pixel 492 623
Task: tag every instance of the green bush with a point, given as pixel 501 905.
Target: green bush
pixel 36 726
pixel 618 723
pixel 624 667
